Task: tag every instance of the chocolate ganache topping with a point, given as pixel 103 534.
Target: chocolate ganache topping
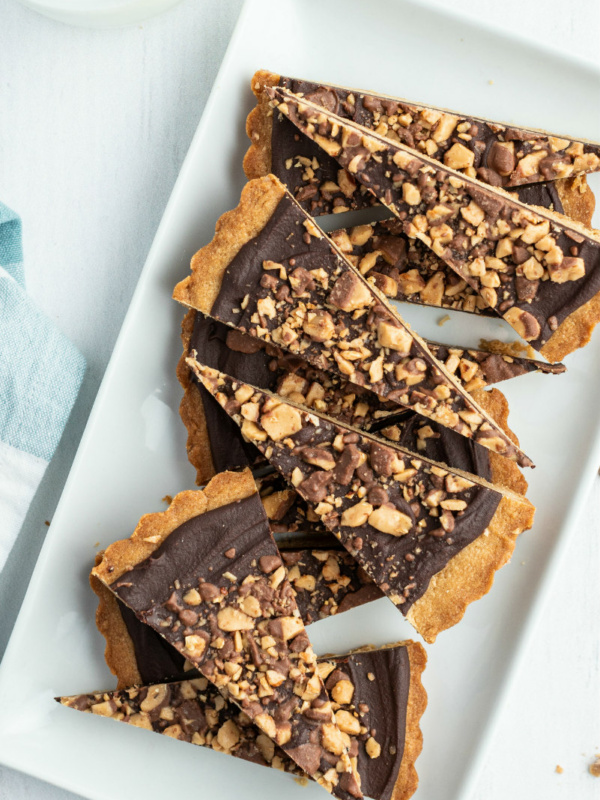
pixel 156 660
pixel 381 680
pixel 197 547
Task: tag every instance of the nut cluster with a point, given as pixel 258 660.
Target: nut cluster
pixel 351 715
pixel 511 255
pixel 351 404
pixel 285 511
pixel 326 582
pixel 191 711
pixel 496 154
pixel 391 511
pixel 406 269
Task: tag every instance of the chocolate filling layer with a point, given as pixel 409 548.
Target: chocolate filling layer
pixel 386 696
pixel 196 548
pixel 228 448
pixel 156 660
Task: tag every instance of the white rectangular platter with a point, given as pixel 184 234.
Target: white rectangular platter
pixel 133 450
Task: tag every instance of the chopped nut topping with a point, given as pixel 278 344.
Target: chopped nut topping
pixel 373 748
pixel 342 692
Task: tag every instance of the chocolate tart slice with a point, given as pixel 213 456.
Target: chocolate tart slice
pixel 406 269
pixel 190 710
pixel 270 272
pixel 325 582
pixel 379 701
pixel 429 536
pixel 495 153
pixel 206 574
pixel 215 444
pixel 539 270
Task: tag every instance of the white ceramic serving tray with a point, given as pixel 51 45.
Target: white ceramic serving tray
pixel 133 450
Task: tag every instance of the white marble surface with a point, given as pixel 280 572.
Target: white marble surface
pixel 93 130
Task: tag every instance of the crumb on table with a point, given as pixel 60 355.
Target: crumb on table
pixel 559 769
pixel 443 320
pixel 167 499
pixel 595 767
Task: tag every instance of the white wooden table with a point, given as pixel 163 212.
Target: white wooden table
pixel 94 127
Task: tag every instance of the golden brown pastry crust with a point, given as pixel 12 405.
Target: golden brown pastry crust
pixel 259 126
pixel 234 228
pixel 153 529
pixel 408 780
pixel 575 332
pixel 577 199
pixel 505 473
pixel 191 411
pixel 470 574
pixel 119 653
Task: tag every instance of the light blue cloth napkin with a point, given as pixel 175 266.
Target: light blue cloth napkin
pixel 40 375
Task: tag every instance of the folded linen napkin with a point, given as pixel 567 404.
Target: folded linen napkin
pixel 40 375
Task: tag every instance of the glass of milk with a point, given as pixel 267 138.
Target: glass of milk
pixel 99 13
